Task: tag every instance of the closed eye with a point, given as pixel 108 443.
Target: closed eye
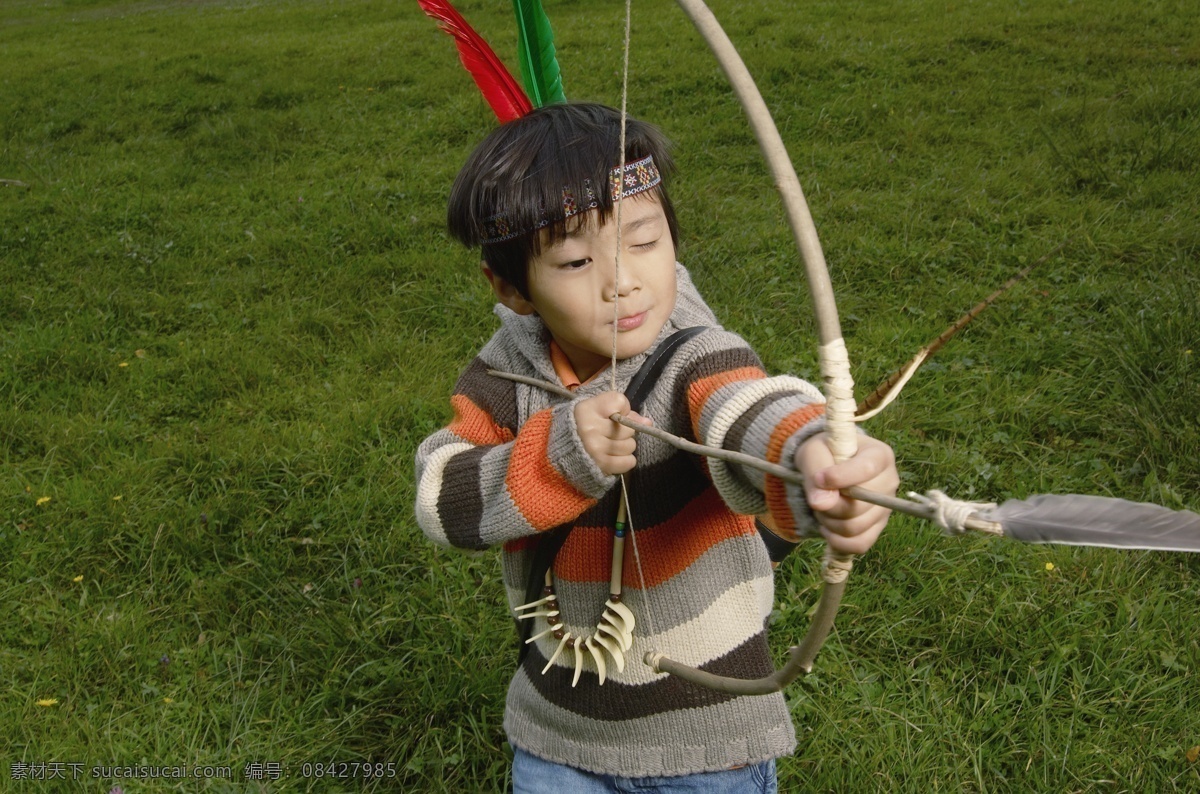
pixel 646 246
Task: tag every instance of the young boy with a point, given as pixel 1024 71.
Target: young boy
pixel 518 463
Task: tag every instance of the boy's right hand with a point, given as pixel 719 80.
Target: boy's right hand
pixel 609 444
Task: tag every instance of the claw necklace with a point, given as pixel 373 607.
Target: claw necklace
pixel 614 631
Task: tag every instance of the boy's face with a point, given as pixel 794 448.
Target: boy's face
pixel 573 285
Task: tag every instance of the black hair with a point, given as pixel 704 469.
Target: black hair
pixel 522 168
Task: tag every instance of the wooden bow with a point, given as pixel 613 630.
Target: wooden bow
pixel 835 365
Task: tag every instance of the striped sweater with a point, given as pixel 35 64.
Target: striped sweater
pixel 511 466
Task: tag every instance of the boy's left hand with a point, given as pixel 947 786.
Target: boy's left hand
pixel 848 525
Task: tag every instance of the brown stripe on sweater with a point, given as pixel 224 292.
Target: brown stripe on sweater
pixel 615 701
pixel 460 505
pixel 661 490
pixel 603 513
pixel 494 395
pixel 657 491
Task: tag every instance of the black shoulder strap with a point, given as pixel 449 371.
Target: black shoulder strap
pixel 643 381
pixel 550 541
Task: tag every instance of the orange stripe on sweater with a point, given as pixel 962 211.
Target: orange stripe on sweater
pixel 773 487
pixel 666 549
pixel 700 390
pixel 475 425
pixel 544 497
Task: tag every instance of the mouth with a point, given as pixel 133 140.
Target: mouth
pixel 630 322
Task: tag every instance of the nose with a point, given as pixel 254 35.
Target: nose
pixel 622 280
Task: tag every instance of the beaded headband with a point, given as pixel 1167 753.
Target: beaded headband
pixel 638 177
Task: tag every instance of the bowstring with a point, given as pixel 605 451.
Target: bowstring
pixel 612 376
pixel 612 372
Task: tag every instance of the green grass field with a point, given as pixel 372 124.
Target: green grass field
pixel 230 311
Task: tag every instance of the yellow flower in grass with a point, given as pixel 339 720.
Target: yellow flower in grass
pixel 41 500
pixel 78 579
pixel 1049 566
pixel 47 702
pixel 168 700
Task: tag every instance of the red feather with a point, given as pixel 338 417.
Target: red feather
pixel 496 83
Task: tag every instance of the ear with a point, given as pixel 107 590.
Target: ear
pixel 506 293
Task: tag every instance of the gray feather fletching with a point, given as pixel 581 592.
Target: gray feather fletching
pixel 1097 521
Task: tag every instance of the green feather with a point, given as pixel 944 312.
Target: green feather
pixel 535 50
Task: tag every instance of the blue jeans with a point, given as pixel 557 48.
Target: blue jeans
pixel 533 775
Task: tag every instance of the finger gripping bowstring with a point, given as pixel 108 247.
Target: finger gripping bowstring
pixel 834 361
